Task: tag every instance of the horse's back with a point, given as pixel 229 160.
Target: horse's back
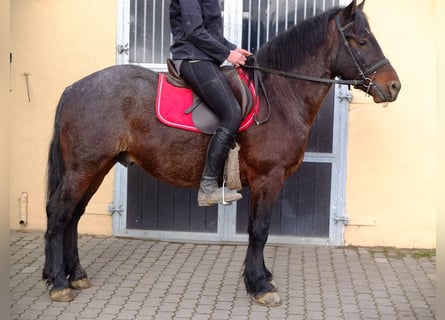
pixel 97 111
pixel 113 83
pixel 108 94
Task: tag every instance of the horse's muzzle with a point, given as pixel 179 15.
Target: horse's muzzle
pixel 386 93
pixel 394 88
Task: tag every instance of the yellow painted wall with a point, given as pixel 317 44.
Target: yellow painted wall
pixel 440 186
pixel 57 42
pixel 5 107
pixel 392 151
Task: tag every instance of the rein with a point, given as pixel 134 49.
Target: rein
pixel 303 77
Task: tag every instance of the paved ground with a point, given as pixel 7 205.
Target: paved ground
pixel 141 279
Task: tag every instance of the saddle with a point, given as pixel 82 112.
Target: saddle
pixel 203 118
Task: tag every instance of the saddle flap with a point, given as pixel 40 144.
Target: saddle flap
pixel 239 88
pixel 205 119
pixel 173 76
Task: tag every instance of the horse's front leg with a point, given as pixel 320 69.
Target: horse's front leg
pixel 257 278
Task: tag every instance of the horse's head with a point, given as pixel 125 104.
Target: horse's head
pixel 360 57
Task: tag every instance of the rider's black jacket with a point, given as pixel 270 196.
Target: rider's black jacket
pixel 197 29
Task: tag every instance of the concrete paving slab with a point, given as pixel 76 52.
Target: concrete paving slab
pixel 146 279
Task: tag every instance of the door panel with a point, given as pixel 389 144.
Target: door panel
pixel 302 208
pixel 304 205
pixel 154 205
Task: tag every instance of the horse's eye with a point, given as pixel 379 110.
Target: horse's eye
pixel 362 42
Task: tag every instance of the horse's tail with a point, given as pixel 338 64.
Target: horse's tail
pixel 56 168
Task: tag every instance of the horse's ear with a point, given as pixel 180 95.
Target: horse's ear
pixel 349 11
pixel 361 5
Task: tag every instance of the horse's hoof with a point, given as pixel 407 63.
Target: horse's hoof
pixel 64 295
pixel 81 284
pixel 269 299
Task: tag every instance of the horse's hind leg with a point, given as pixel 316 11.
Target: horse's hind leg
pixel 77 275
pixel 60 209
pixel 64 208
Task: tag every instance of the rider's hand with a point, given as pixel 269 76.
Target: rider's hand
pixel 243 52
pixel 238 56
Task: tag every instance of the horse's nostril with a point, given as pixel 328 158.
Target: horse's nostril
pixel 394 88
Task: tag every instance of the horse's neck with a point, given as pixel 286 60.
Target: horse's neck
pixel 301 99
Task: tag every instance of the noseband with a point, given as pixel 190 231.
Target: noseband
pixel 367 74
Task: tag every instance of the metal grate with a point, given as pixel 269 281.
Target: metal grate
pixel 262 19
pixel 150 35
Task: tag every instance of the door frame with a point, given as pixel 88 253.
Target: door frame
pixel 226 231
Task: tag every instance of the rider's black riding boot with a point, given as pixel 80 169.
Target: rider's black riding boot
pixel 209 192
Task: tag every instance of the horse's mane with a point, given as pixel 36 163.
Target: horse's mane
pixel 288 49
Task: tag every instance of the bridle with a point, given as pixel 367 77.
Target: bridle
pixel 367 74
pixel 366 80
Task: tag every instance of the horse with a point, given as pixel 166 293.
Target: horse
pixel 109 117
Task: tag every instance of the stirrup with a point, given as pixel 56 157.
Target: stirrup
pixel 224 202
pixel 223 190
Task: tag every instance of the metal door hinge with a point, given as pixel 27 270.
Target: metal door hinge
pixel 123 48
pixel 344 94
pixel 341 218
pixel 115 209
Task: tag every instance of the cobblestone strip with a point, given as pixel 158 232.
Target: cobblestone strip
pixel 225 284
pixel 107 265
pixel 312 284
pixel 26 285
pixel 375 303
pixel 280 269
pixel 100 261
pixel 204 284
pixel 242 301
pixel 420 290
pixel 330 271
pixel 196 273
pixel 190 280
pixel 158 283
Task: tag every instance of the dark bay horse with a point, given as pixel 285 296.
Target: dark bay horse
pixel 109 117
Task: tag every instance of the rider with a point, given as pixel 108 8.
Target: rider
pixel 198 49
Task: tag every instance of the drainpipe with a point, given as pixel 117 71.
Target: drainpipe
pixel 23 200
